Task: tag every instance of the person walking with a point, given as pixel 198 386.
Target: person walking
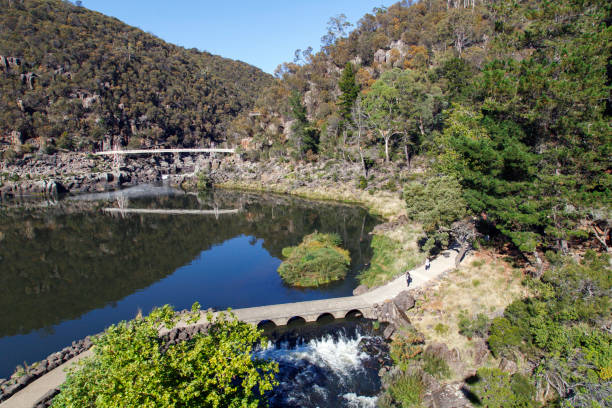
pixel 427 264
pixel 408 278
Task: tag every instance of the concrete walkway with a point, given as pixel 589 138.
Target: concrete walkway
pixel 310 310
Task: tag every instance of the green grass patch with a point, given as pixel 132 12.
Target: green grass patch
pixel 406 390
pixel 318 260
pixel 389 260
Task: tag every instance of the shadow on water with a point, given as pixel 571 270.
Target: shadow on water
pixel 67 269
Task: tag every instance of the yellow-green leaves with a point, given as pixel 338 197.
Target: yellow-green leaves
pixel 132 367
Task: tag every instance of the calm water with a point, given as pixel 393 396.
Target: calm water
pixel 69 269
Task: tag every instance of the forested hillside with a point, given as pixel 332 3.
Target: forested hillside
pixel 510 99
pixel 500 114
pixel 72 78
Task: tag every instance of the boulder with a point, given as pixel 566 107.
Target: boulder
pixel 390 313
pixel 388 332
pixel 450 396
pixel 404 300
pixel 480 353
pixel 508 366
pixel 360 290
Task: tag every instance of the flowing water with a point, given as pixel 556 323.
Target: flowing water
pixel 336 366
pixel 69 269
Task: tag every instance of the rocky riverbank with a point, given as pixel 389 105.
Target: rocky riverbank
pixel 50 175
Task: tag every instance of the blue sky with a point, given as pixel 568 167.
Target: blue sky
pixel 264 33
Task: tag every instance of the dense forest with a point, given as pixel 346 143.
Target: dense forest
pixel 71 78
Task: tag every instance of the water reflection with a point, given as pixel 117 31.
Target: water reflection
pixel 68 269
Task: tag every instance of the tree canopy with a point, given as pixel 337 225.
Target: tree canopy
pixel 131 366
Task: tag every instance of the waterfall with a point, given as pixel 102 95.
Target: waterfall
pixel 331 370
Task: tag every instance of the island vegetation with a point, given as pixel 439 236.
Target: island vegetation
pixel 316 261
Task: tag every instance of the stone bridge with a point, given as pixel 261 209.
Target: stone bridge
pixel 350 306
pixel 310 311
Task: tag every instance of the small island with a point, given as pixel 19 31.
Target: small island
pixel 318 260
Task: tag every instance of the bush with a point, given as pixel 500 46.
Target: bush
pixel 132 367
pixel 65 141
pixel 362 183
pixel 316 261
pixel 406 347
pixel 495 388
pixel 441 328
pixel 405 391
pixel 435 366
pixel 478 326
pixel 503 337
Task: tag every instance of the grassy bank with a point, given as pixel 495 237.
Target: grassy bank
pixel 382 203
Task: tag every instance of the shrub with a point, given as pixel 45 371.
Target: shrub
pixel 503 336
pixel 479 326
pixel 405 391
pixel 132 367
pixel 316 261
pixel 495 388
pixel 65 141
pixel 441 328
pixel 362 183
pixel 406 347
pixel 435 365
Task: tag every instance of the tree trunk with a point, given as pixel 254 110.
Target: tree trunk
pixel 464 249
pixel 602 237
pixel 387 149
pixel 407 154
pixel 363 164
pixel 539 265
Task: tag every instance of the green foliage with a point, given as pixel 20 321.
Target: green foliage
pixel 388 260
pixel 405 391
pixel 406 347
pixel 561 330
pixel 305 136
pixel 362 183
pixel 132 367
pixel 471 327
pixel 503 337
pixel 441 328
pixel 436 203
pixel 435 365
pixel 495 388
pixel 318 260
pixel 350 90
pixel 97 78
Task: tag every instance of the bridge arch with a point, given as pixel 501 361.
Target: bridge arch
pixel 325 318
pixel 296 321
pixel 353 314
pixel 266 325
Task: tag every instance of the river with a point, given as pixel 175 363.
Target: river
pixel 69 268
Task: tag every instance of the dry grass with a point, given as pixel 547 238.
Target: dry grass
pixel 483 284
pixel 381 203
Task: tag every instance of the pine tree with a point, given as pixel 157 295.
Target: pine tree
pixel 350 90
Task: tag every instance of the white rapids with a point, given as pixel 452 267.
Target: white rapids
pixel 330 371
